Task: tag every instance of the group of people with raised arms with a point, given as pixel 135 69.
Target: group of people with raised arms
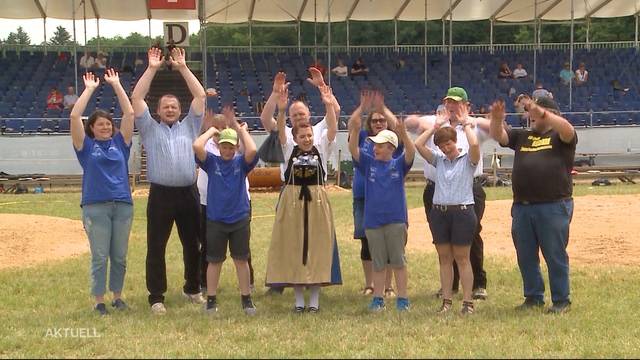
pixel 213 213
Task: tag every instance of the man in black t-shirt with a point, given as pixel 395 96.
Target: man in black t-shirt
pixel 542 190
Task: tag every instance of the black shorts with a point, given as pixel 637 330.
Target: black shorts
pixel 453 224
pixel 236 234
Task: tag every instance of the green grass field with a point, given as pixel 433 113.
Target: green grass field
pixel 37 300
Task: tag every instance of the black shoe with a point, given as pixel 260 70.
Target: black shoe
pixel 559 307
pixel 211 307
pixel 101 308
pixel 248 306
pixel 274 291
pixel 120 305
pixel 530 303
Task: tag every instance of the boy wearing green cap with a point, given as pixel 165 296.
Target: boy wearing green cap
pixel 228 214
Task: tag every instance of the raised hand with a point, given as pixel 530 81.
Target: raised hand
pixel 279 82
pixel 212 92
pixel 155 58
pixel 283 99
pixel 378 102
pixel 243 125
pixel 111 77
pixel 91 82
pixel 525 101
pixel 497 110
pixel 316 77
pixel 326 95
pixel 442 117
pixel 177 58
pixel 230 117
pixel 462 114
pixel 209 119
pixel 366 100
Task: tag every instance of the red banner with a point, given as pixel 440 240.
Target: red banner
pixel 172 4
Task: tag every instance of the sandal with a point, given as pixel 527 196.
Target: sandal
pixel 367 290
pixel 446 306
pixel 467 308
pixel 389 293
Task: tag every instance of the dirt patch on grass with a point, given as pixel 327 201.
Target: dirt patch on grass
pixel 27 240
pixel 605 230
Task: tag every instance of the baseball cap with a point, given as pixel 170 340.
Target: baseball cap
pixel 547 103
pixel 229 136
pixel 385 136
pixel 457 94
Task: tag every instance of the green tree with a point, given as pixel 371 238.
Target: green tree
pixel 61 37
pixel 20 37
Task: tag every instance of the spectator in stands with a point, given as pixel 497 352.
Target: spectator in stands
pixel 317 64
pixel 540 91
pixel 582 75
pixel 55 99
pixel 101 61
pixel 61 60
pixel 400 64
pixel 359 68
pixel 618 87
pixel 542 198
pixel 173 195
pixel 70 99
pixel 519 72
pixel 341 70
pixel 504 72
pixel 107 207
pixel 87 61
pixel 566 75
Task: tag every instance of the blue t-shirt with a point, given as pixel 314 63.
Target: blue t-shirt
pixel 384 201
pixel 106 170
pixel 366 146
pixel 227 199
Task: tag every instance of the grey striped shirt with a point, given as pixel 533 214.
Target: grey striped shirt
pixel 170 157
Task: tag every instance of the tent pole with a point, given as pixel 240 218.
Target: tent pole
pixel 75 44
pixel 395 35
pixel 299 40
pixel 44 29
pixel 250 39
pixel 450 39
pixel 315 29
pixel 349 43
pixel 425 43
pixel 535 41
pixel 571 60
pixel 491 35
pixel 329 41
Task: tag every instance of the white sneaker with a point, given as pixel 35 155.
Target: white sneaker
pixel 158 309
pixel 194 298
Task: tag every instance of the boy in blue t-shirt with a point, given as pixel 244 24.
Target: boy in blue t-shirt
pixel 227 205
pixel 385 209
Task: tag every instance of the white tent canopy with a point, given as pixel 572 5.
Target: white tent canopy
pixel 242 11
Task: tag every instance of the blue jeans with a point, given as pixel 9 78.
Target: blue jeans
pixel 545 227
pixel 107 225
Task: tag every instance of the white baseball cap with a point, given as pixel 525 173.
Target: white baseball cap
pixel 385 136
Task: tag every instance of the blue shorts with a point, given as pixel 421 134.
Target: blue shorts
pixel 358 218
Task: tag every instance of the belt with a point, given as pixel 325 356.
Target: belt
pixel 444 208
pixel 476 180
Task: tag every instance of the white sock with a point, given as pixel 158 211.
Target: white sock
pixel 299 292
pixel 314 298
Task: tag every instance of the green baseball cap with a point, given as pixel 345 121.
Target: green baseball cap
pixel 457 94
pixel 229 136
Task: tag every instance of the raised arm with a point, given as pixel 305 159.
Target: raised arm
pixel 250 149
pixel 77 127
pixel 201 141
pixel 497 116
pixel 318 80
pixel 421 141
pixel 409 148
pixel 472 139
pixel 179 62
pixel 381 108
pixel 332 120
pixel 126 125
pixel 355 123
pixel 282 100
pixel 558 123
pixel 142 86
pixel 266 117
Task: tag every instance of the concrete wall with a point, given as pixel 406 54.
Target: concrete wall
pixel 54 155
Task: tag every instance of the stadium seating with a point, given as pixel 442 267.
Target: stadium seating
pixel 245 81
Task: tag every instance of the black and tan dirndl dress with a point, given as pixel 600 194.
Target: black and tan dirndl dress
pixel 303 249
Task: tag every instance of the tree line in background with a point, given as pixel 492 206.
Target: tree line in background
pixel 370 33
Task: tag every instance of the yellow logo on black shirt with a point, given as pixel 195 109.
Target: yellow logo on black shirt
pixel 537 144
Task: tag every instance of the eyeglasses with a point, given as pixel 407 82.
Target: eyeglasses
pixel 383 120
